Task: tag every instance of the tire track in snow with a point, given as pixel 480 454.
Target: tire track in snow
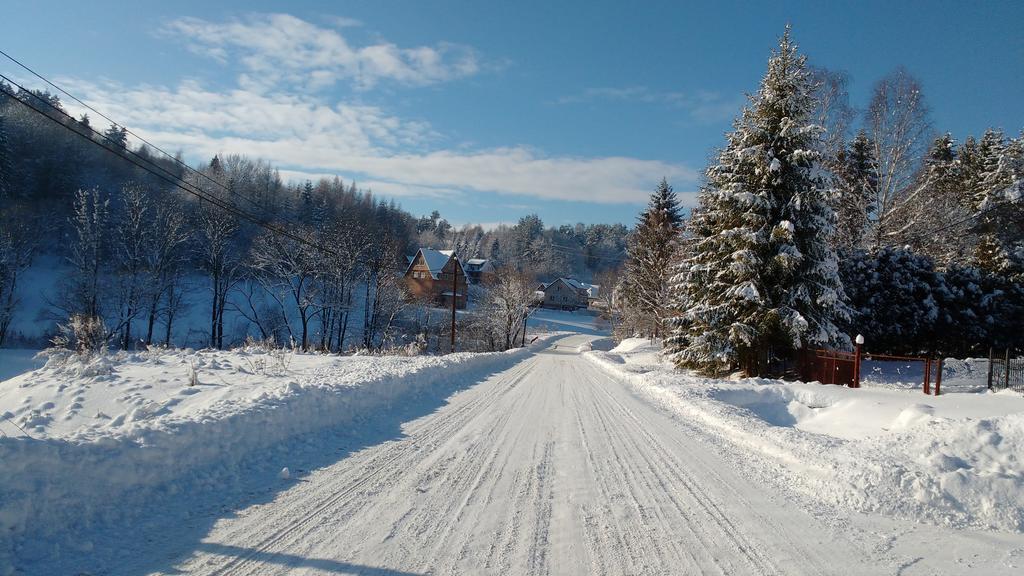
pixel 379 465
pixel 551 466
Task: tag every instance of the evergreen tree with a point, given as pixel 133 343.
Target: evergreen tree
pixel 650 255
pixel 306 203
pixel 940 205
pixel 761 276
pixel 6 162
pixel 496 254
pixel 989 183
pixel 117 136
pixel 856 178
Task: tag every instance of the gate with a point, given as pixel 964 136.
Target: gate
pixel 932 368
pixel 830 367
pixel 844 368
pixel 1005 373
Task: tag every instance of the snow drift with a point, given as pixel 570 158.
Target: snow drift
pixel 954 460
pixel 101 440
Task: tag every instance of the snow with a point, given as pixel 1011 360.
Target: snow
pixel 548 467
pixel 955 460
pixel 14 361
pixel 84 444
pixel 580 321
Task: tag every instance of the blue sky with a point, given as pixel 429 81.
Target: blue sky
pixel 487 111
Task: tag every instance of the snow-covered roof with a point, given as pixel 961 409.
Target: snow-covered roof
pixel 477 265
pixel 571 282
pixel 435 260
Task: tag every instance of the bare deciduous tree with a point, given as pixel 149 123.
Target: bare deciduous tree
pixel 220 259
pixel 287 270
pixel 507 304
pixel 133 235
pixel 165 258
pixel 16 251
pixel 900 130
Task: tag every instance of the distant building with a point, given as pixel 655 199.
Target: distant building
pixel 430 276
pixel 479 271
pixel 593 292
pixel 565 293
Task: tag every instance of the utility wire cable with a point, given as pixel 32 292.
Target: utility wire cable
pixel 147 166
pixel 127 130
pixel 175 179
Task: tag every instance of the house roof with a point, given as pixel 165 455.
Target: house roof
pixel 571 282
pixel 574 283
pixel 435 260
pixel 477 264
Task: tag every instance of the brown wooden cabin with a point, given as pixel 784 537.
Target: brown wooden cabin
pixel 429 276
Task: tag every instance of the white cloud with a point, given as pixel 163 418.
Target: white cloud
pixel 703 106
pixel 309 139
pixel 276 48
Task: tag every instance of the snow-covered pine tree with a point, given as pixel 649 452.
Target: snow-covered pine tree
pixel 1000 225
pixel 650 256
pixel 762 277
pixel 856 178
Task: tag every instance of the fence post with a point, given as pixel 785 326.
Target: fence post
pixel 1006 371
pixel 990 358
pixel 927 376
pixel 938 377
pixel 859 340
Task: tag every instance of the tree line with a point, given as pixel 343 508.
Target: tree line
pixel 141 253
pixel 808 232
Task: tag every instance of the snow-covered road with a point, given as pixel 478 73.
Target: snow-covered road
pixel 549 467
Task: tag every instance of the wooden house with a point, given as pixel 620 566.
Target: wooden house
pixel 564 293
pixel 438 276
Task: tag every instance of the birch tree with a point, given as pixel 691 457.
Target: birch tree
pixel 900 130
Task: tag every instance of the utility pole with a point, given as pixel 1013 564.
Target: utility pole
pixel 455 292
pixel 526 314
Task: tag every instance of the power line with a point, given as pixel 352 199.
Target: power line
pixel 140 138
pixel 175 179
pixel 166 176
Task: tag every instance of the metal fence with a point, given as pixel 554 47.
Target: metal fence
pixel 1005 372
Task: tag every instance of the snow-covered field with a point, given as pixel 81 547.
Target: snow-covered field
pixel 87 445
pixel 955 460
pixel 579 321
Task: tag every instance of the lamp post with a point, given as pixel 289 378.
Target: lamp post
pixel 859 340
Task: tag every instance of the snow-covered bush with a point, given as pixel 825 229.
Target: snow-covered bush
pixel 84 334
pixel 902 304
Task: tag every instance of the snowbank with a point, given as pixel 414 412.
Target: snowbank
pixel 93 442
pixel 955 459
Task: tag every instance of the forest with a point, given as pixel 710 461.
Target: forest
pixel 817 220
pixel 150 250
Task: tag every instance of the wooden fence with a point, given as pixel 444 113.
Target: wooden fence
pixel 844 368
